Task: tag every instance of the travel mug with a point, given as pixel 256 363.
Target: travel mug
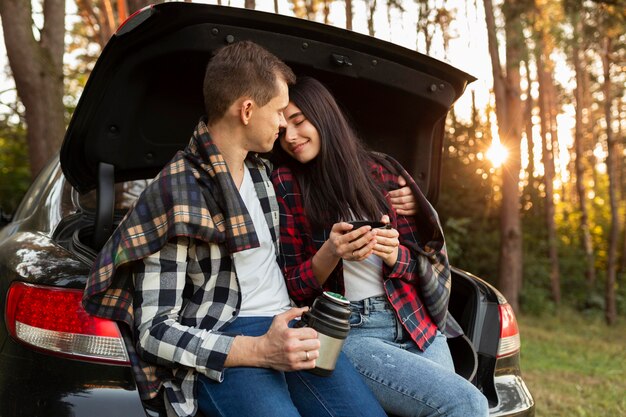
pixel 329 316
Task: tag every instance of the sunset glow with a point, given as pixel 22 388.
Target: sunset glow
pixel 497 154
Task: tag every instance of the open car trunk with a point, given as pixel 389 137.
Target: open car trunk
pixel 144 97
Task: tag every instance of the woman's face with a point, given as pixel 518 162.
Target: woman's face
pixel 301 139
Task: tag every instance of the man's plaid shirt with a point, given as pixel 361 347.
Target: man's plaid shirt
pixel 420 277
pixel 179 239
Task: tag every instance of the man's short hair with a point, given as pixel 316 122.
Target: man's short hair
pixel 242 69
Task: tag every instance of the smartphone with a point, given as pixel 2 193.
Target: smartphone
pixel 361 223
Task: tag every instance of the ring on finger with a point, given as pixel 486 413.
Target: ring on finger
pixel 306 353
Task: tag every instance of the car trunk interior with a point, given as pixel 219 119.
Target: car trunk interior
pixel 476 311
pixel 144 95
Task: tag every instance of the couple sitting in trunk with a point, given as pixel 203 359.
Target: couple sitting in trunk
pixel 204 268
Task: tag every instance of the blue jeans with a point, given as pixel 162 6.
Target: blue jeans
pixel 407 381
pixel 264 392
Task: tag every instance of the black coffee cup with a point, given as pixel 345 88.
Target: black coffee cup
pixel 330 317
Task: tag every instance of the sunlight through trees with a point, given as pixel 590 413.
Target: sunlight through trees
pixel 533 188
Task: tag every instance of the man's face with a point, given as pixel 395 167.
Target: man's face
pixel 266 122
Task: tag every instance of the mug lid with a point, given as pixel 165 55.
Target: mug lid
pixel 338 298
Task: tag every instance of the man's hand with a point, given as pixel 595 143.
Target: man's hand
pixel 290 349
pixel 282 348
pixel 387 244
pixel 402 199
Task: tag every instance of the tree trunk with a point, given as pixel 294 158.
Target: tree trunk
pixel 389 22
pixel 612 166
pixel 371 9
pixel 530 143
pixel 37 68
pixel 587 243
pixel 423 24
pixel 250 4
pixel 326 11
pixel 552 107
pixel 622 134
pixel 122 11
pixel 349 14
pixel 508 112
pixel 110 17
pixel 548 168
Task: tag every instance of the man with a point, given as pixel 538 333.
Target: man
pixel 192 268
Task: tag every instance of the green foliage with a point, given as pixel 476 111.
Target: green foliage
pixel 14 166
pixel 468 203
pixel 469 209
pixel 456 228
pixel 535 294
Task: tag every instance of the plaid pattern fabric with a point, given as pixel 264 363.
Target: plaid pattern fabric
pixel 192 197
pixel 435 278
pixel 421 276
pixel 175 289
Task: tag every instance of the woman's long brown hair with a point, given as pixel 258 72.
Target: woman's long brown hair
pixel 337 185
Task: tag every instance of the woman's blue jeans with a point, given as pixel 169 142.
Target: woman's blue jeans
pixel 407 381
pixel 261 392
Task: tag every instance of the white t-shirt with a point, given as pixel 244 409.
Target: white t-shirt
pixel 363 279
pixel 263 288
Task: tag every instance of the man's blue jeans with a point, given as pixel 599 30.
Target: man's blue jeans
pixel 261 392
pixel 407 381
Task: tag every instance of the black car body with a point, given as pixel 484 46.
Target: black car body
pixel 140 105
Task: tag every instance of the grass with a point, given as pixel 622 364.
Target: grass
pixel 574 365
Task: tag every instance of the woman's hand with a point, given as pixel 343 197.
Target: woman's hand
pixel 387 244
pixel 402 199
pixel 349 244
pixel 343 243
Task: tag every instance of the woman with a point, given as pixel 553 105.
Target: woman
pixel 398 287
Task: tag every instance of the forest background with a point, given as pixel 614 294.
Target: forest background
pixel 534 181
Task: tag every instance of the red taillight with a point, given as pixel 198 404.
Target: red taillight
pixel 53 319
pixel 509 332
